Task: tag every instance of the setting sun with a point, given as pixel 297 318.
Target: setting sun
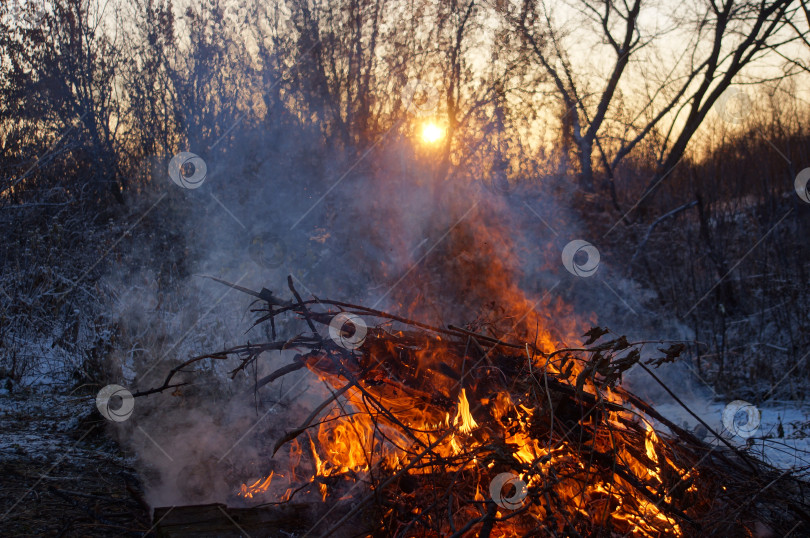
pixel 367 206
pixel 432 133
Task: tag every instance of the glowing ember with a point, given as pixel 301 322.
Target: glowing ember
pixel 395 393
pixel 581 451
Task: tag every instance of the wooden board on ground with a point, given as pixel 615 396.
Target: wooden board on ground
pixel 220 521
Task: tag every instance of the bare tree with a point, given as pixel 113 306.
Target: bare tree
pixel 148 94
pixel 60 72
pixel 803 33
pixel 336 69
pixel 208 76
pixel 661 75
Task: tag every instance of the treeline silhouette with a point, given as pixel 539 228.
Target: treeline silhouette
pixel 94 103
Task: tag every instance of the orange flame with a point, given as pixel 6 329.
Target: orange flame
pixel 464 419
pixel 256 488
pixel 356 437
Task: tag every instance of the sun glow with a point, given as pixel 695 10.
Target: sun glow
pixel 432 133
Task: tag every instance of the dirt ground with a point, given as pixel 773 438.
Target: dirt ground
pixel 60 475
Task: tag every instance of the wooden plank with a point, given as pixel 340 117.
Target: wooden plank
pixel 217 520
pixel 220 521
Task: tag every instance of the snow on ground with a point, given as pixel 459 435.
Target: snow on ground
pixel 60 475
pixel 36 424
pixel 782 438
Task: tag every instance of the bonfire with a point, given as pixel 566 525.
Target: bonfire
pixel 454 431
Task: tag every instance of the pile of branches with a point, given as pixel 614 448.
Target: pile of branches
pixel 581 453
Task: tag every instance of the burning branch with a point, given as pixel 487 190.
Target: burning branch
pixel 434 421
